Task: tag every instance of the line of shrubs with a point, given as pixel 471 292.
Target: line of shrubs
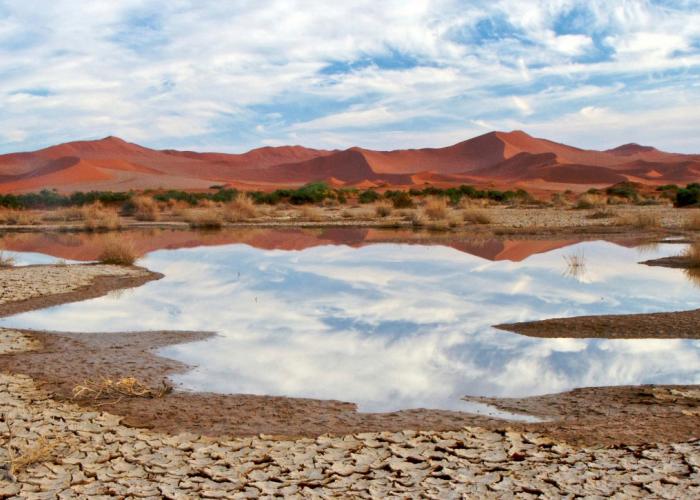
pixel 684 197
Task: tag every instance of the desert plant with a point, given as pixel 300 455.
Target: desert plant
pixel 640 220
pixel 204 218
pixel 241 208
pixel 603 213
pixel 96 217
pixel 18 218
pixel 63 214
pixel 436 208
pixel 589 200
pixel 402 199
pixel 146 209
pixel 476 217
pixel 382 209
pixel 21 457
pixel 691 255
pixel 311 213
pixel 6 260
pixel 688 196
pixel 417 218
pixel 127 387
pixel 575 264
pixel 692 223
pixel 118 252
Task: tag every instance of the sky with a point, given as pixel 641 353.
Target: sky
pixel 230 76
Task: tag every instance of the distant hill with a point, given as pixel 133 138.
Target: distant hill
pixel 502 158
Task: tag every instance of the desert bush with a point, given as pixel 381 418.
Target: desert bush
pixel 438 225
pixel 311 213
pixel 117 251
pixel 417 218
pixel 368 196
pixel 21 456
pixel 146 209
pixel 624 189
pixel 127 387
pixel 588 201
pixel 18 218
pixel 400 199
pixel 204 218
pixel 6 260
pixel 383 209
pixel 476 217
pixel 688 196
pixel 436 208
pixel 96 217
pixel 241 208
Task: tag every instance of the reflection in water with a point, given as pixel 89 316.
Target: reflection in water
pixel 575 265
pixel 393 326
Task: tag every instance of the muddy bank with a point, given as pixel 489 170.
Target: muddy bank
pixel 595 416
pixel 28 288
pixel 670 325
pixel 64 360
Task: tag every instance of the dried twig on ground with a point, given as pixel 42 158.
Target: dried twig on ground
pixel 118 389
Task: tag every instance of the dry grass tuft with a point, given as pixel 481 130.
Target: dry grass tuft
pixel 417 218
pixel 63 215
pixel 692 255
pixel 21 457
pixel 436 209
pixel 588 200
pixel 127 387
pixel 640 220
pixel 602 213
pixel 311 213
pixel 476 217
pixel 204 218
pixel 146 209
pixel 19 218
pixel 240 209
pixel 96 217
pixel 383 209
pixel 6 260
pixel 692 223
pixel 575 264
pixel 117 252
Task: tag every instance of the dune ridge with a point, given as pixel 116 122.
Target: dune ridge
pixel 507 158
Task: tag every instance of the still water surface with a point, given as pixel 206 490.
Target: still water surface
pixel 394 326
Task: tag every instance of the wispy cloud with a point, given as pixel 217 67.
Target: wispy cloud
pixel 234 75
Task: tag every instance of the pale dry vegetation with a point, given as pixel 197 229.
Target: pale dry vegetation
pixel 18 218
pixel 588 201
pixel 67 214
pixel 204 218
pixel 6 260
pixel 692 255
pixel 575 264
pixel 476 217
pixel 116 390
pixel 242 208
pixel 146 209
pixel 118 252
pixel 21 456
pixel 436 209
pixel 383 209
pixel 640 220
pixel 692 223
pixel 311 213
pixel 97 217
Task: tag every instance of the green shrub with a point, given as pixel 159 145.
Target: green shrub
pixel 688 196
pixel 368 196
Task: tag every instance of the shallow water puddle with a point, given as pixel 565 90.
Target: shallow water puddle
pixel 395 326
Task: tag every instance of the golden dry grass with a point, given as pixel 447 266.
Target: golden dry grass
pixel 417 218
pixel 588 200
pixel 640 220
pixel 117 252
pixel 19 457
pixel 6 260
pixel 146 209
pixel 204 218
pixel 242 208
pixel 127 387
pixel 97 217
pixel 63 215
pixel 692 223
pixel 692 255
pixel 436 209
pixel 383 209
pixel 476 217
pixel 311 213
pixel 18 218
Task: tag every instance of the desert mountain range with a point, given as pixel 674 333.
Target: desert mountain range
pixel 513 159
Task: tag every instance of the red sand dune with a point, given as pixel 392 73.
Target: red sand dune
pixel 496 158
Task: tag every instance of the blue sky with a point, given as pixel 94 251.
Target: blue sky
pixel 230 76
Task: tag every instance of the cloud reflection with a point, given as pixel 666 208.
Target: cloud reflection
pixel 393 326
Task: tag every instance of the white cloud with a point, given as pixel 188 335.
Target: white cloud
pixel 208 73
